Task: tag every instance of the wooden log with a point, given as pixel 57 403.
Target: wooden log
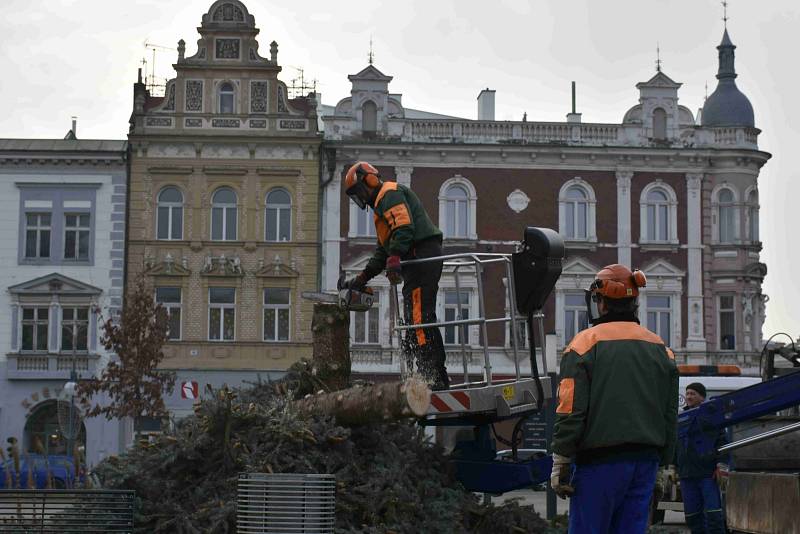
pixel 330 328
pixel 361 405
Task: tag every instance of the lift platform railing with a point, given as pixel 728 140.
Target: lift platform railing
pixel 461 265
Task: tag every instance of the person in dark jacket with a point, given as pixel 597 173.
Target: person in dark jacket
pixel 617 412
pixel 405 232
pixel 701 475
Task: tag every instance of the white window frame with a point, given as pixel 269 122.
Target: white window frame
pixel 225 207
pixel 659 311
pixel 357 214
pixel 720 311
pixel 577 275
pixel 277 308
pixel 672 214
pixel 74 323
pixel 373 314
pixel 459 307
pixel 591 210
pixel 223 307
pixel 233 95
pixel 716 218
pixel 38 228
pixel 169 307
pixel 472 207
pixel 171 206
pixel 577 309
pixel 522 321
pixel 279 208
pixel 664 279
pixel 78 230
pixel 752 215
pixel 35 323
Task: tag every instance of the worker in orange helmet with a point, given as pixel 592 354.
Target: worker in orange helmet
pixel 405 232
pixel 616 420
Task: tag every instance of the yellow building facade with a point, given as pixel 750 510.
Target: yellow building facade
pixel 223 204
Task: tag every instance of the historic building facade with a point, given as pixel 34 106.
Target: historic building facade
pixel 665 191
pixel 224 207
pixel 61 272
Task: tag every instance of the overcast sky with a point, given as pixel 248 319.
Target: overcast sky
pixel 79 57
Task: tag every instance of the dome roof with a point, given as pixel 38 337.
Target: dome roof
pixel 727 105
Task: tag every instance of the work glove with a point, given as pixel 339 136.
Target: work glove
pixel 721 476
pixel 561 476
pixel 393 269
pixel 357 283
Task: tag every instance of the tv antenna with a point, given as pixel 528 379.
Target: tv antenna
pixel 152 83
pixel 299 85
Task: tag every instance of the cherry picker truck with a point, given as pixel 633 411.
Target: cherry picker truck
pixel 532 272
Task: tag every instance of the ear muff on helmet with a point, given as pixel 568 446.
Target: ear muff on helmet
pixel 617 282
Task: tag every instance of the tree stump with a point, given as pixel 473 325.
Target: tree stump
pixel 330 328
pixel 363 405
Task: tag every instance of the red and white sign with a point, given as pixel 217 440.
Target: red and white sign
pixel 189 390
pixel 450 401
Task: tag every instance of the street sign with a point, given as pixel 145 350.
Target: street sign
pixel 189 390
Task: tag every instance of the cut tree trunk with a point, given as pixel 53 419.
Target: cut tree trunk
pixel 330 327
pixel 361 405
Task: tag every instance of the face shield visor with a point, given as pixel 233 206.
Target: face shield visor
pixel 592 311
pixel 359 194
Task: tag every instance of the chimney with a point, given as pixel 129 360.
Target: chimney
pixel 573 117
pixel 486 105
pixel 75 126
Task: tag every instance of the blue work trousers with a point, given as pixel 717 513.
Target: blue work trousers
pixel 612 497
pixel 702 506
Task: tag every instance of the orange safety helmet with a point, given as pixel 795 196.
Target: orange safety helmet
pixel 618 282
pixel 359 182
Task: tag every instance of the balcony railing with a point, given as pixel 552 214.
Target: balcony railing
pixel 23 366
pixel 458 131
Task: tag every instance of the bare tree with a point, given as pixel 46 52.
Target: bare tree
pixel 133 382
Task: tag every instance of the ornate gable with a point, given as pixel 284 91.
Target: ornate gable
pixel 577 273
pixel 54 284
pixel 276 269
pixel 659 80
pixel 166 267
pixel 370 73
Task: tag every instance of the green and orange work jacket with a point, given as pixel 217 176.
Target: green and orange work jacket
pixel 400 221
pixel 618 395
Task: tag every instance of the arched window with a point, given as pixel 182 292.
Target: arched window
pixel 727 216
pixel 170 214
pixel 278 217
pixel 226 94
pixel 752 216
pixel 576 211
pixel 369 116
pixel 458 203
pixel 659 124
pixel 576 217
pixel 53 425
pixel 456 212
pixel 223 215
pixel 659 214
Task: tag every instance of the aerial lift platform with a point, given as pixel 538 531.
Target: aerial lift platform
pixel 531 273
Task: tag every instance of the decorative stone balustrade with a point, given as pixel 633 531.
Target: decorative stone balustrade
pixel 49 366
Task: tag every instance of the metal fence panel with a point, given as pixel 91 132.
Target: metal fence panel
pixel 286 503
pixel 66 511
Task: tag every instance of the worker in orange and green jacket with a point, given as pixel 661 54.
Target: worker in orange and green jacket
pixel 405 232
pixel 616 420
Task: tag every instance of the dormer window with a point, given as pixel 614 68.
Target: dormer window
pixel 226 94
pixel 369 119
pixel 659 124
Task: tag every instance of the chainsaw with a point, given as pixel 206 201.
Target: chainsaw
pixel 346 298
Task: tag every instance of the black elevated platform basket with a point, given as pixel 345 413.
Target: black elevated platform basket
pixel 537 266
